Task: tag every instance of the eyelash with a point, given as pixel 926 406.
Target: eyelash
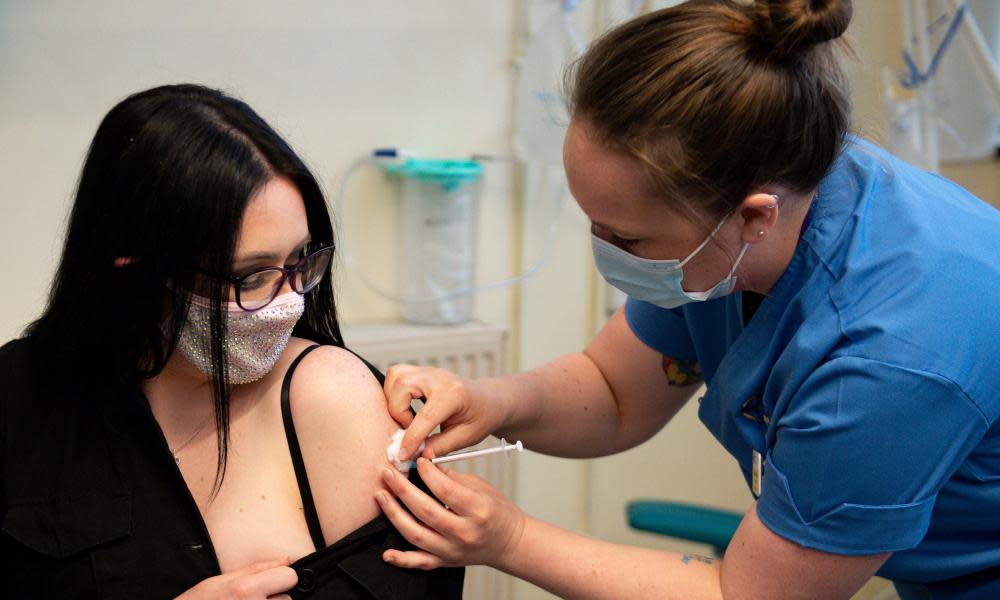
pixel 303 251
pixel 623 243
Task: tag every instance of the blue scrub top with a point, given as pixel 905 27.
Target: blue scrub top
pixel 876 358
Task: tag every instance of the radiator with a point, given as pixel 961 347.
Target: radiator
pixel 472 350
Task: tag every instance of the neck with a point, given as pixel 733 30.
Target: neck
pixel 767 260
pixel 180 395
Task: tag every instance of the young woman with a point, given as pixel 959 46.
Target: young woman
pixel 155 443
pixel 842 306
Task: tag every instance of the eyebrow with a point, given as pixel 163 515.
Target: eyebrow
pixel 269 256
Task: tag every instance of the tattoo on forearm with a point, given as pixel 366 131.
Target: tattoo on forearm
pixel 682 372
pixel 688 558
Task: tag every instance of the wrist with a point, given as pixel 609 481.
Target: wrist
pixel 511 556
pixel 501 404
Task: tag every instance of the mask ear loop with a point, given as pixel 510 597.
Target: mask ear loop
pixel 702 245
pixel 739 257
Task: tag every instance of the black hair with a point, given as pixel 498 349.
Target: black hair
pixel 163 190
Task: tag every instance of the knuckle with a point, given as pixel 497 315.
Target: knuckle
pixel 425 514
pixel 470 536
pixel 242 589
pixel 480 516
pixel 443 488
pixel 418 539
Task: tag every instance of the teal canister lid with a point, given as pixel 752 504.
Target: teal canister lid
pixel 449 173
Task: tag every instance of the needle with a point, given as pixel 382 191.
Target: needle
pixel 503 447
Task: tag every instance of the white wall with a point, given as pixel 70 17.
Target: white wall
pixel 336 78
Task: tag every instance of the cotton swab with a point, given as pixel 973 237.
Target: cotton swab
pixel 503 447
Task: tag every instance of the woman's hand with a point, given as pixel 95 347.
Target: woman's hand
pixel 258 581
pixel 476 525
pixel 461 407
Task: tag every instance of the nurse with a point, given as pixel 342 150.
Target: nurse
pixel 842 306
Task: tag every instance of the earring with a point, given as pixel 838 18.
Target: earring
pixel 760 233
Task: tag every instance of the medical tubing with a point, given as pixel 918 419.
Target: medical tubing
pixel 377 157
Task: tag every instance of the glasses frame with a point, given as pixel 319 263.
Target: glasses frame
pixel 286 275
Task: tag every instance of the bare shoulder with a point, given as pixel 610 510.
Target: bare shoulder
pixel 334 392
pixel 344 428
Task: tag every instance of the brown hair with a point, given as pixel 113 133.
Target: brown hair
pixel 717 98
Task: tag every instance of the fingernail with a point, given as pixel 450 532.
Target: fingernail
pixel 421 461
pixel 402 454
pixel 380 497
pixel 387 475
pixel 387 557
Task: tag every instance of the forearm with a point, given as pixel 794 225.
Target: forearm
pixel 574 566
pixel 563 408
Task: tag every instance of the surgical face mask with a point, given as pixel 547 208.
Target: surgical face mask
pixel 657 281
pixel 254 340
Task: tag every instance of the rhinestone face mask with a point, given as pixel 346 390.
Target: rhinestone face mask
pixel 254 340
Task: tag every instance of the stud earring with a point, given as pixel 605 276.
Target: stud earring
pixel 760 233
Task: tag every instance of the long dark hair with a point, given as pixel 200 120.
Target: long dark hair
pixel 715 98
pixel 164 187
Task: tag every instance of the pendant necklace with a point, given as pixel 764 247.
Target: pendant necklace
pixel 176 451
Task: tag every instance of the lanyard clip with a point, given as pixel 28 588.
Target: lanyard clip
pixel 757 473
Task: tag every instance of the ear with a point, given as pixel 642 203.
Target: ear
pixel 760 214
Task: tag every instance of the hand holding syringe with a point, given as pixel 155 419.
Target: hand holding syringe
pixel 405 465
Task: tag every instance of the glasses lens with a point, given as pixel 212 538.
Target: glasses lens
pixel 313 267
pixel 259 288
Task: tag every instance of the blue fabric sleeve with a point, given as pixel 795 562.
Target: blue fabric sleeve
pixel 661 329
pixel 860 451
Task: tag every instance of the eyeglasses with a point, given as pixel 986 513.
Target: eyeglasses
pixel 259 288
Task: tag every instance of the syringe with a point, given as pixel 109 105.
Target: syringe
pixel 405 465
pixel 503 447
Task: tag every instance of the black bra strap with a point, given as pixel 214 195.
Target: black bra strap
pixel 308 506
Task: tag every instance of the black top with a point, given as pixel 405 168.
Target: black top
pixel 94 506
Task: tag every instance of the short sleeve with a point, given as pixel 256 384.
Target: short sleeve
pixel 859 454
pixel 661 329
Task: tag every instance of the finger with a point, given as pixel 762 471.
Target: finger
pixel 274 580
pixel 398 399
pixel 257 567
pixel 468 480
pixel 417 431
pixel 413 531
pixel 425 508
pixel 451 439
pixel 413 559
pixel 430 416
pixel 459 499
pixel 280 597
pixel 396 371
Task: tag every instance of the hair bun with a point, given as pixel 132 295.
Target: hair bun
pixel 790 27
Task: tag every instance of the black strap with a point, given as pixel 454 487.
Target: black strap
pixel 308 506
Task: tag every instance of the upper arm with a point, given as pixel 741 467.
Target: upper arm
pixel 648 395
pixel 344 429
pixel 761 564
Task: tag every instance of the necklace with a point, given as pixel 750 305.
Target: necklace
pixel 175 451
